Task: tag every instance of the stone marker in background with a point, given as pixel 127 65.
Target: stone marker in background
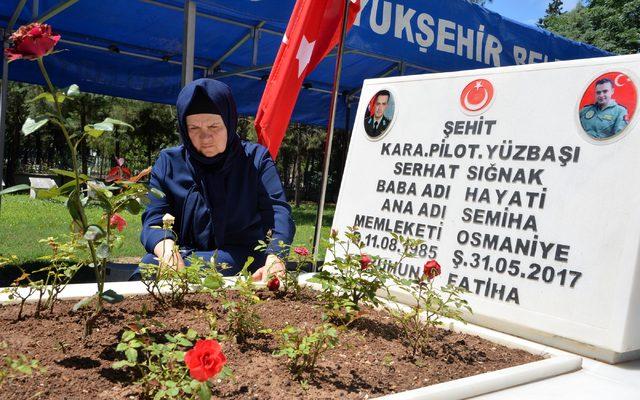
pixel 40 183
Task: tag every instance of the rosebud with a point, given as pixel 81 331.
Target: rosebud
pixel 167 221
pixel 301 251
pixel 431 269
pixel 334 234
pixel 365 261
pixel 273 284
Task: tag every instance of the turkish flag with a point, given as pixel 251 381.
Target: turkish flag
pixel 314 29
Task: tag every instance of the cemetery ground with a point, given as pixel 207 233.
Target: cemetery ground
pixel 369 360
pixel 24 221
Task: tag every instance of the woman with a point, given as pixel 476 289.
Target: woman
pixel 224 192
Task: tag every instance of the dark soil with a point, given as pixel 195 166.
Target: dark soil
pixel 370 360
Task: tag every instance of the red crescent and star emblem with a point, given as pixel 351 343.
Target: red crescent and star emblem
pixel 476 96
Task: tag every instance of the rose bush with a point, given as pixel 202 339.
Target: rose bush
pixel 90 242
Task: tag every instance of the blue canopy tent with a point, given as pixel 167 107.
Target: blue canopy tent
pixel 145 49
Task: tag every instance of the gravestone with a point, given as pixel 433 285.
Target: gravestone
pixel 40 183
pixel 522 182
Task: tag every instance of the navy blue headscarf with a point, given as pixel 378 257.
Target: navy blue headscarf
pixel 210 172
pixel 223 104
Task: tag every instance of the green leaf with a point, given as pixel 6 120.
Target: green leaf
pixel 213 282
pixel 94 232
pixel 47 193
pixel 204 392
pixel 133 206
pixel 225 373
pixel 132 355
pixel 75 207
pixel 128 335
pixel 183 342
pixel 191 334
pixel 70 174
pixel 103 251
pixel 122 364
pixel 96 133
pixel 16 188
pixel 116 122
pixel 48 97
pixel 67 187
pixel 173 391
pixel 31 125
pixel 103 126
pixel 122 346
pixel 110 296
pixel 73 90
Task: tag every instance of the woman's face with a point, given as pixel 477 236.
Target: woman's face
pixel 207 133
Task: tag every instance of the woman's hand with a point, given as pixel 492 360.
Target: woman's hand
pixel 167 252
pixel 272 267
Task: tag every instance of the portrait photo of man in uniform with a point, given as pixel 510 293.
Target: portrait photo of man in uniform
pixel 604 118
pixel 379 114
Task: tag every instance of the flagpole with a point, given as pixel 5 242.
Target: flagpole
pixel 329 141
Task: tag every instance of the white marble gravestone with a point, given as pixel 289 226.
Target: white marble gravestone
pixel 524 184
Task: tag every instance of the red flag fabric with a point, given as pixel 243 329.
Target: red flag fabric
pixel 313 30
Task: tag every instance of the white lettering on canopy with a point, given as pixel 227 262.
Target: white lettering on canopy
pixel 449 36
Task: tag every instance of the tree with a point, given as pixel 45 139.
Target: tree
pixel 612 25
pixel 553 9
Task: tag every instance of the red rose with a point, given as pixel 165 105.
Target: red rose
pixel 205 360
pixel 119 172
pixel 301 251
pixel 365 261
pixel 431 269
pixel 118 222
pixel 31 42
pixel 273 284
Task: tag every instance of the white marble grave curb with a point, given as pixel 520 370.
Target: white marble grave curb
pixel 556 362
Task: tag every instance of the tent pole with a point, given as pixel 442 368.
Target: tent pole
pixel 329 140
pixel 188 41
pixel 3 104
pixel 55 10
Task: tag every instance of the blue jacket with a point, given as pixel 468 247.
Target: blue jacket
pixel 232 199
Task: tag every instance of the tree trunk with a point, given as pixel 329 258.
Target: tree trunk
pixel 148 148
pixel 12 159
pixel 117 138
pixel 38 149
pixel 296 173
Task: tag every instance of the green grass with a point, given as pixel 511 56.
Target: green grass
pixel 23 221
